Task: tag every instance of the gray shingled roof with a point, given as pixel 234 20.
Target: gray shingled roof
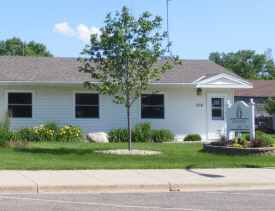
pixel 56 69
pixel 261 88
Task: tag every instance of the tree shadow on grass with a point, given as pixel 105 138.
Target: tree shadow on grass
pixel 59 151
pixel 188 168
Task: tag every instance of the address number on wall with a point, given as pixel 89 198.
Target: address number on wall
pixel 199 105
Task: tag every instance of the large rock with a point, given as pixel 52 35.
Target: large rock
pixel 98 137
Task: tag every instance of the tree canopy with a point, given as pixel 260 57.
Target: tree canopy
pixel 269 106
pixel 247 64
pixel 124 55
pixel 16 47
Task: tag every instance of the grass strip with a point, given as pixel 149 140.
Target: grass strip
pixel 57 156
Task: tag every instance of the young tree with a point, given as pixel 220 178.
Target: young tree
pixel 16 47
pixel 123 56
pixel 247 64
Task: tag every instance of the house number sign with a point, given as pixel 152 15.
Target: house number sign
pixel 199 105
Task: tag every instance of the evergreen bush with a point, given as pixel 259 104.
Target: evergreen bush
pixel 192 137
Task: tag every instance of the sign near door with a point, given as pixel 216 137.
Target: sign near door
pixel 240 118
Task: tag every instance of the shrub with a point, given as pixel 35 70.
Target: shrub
pixel 42 133
pixel 118 135
pixel 69 133
pixel 6 134
pixel 5 120
pixel 162 135
pixel 263 140
pixel 238 146
pixel 257 133
pixel 141 132
pixel 268 140
pixel 244 143
pixel 192 137
pixel 258 142
pixel 3 143
pixel 25 134
pixel 50 132
pixel 247 137
pixel 51 125
pixel 231 143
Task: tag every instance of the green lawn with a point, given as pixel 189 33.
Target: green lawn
pixel 54 155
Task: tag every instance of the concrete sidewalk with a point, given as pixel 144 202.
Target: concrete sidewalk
pixel 99 181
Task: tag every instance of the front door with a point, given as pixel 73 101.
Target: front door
pixel 216 121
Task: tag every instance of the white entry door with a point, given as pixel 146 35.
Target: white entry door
pixel 216 121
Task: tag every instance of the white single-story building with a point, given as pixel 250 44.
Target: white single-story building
pixel 191 98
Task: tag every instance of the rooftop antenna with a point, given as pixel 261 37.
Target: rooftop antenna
pixel 132 7
pixel 168 46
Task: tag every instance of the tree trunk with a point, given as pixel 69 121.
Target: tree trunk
pixel 129 120
pixel 129 128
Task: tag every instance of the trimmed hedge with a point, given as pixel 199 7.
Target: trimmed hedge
pixel 192 137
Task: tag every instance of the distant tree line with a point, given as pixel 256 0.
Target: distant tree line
pixel 16 47
pixel 247 64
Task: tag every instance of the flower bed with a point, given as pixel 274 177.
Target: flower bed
pixel 238 151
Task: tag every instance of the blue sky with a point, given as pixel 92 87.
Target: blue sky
pixel 196 27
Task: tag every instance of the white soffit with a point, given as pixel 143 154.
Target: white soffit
pixel 223 81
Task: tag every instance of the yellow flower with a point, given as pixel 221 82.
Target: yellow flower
pixel 76 135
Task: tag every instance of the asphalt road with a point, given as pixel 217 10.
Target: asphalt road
pixel 208 200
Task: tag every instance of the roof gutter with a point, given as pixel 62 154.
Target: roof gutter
pixel 62 83
pixel 40 83
pixel 79 84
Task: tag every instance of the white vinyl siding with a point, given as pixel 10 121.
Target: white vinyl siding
pixel 182 115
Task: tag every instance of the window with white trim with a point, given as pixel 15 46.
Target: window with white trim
pixel 152 106
pixel 86 105
pixel 20 104
pixel 217 109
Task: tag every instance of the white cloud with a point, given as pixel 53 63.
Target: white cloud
pixel 64 28
pixel 82 32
